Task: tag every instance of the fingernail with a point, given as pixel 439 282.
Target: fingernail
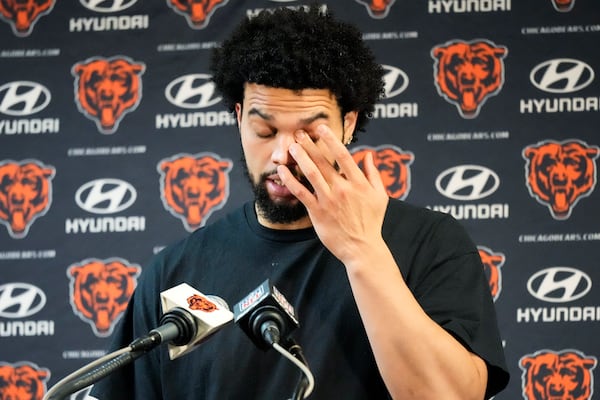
pixel 299 135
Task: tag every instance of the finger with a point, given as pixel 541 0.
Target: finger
pixel 372 172
pixel 309 169
pixel 295 186
pixel 341 155
pixel 323 162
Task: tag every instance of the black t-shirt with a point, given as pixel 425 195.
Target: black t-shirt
pixel 232 256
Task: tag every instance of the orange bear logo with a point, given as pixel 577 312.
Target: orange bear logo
pixel 491 266
pixel 197 302
pixel 377 8
pixel 196 12
pixel 565 375
pixel 22 381
pixel 23 14
pixel 106 89
pixel 100 291
pixel 468 73
pixel 25 194
pixel 393 165
pixel 559 174
pixel 563 5
pixel 194 186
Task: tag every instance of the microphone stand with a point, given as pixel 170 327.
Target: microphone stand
pixel 296 350
pixel 100 368
pixel 62 390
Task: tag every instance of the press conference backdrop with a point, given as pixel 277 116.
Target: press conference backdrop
pixel 108 123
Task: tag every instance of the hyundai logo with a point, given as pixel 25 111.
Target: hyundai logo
pixel 20 300
pixel 105 196
pixel 561 75
pixel 192 91
pixel 20 98
pixel 110 6
pixel 467 182
pixel 559 284
pixel 395 81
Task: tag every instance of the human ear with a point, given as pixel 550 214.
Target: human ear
pixel 350 119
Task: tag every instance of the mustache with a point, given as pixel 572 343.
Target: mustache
pixel 296 173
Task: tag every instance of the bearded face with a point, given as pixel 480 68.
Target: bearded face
pixel 277 212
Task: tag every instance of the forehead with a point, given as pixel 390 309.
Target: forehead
pixel 278 102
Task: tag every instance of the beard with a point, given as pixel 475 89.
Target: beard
pixel 280 212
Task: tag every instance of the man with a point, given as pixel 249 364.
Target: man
pixel 392 299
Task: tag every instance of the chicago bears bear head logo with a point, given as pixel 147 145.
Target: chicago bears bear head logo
pixel 491 266
pixel 100 290
pixel 107 88
pixel 197 302
pixel 559 174
pixel 565 375
pixel 23 14
pixel 196 12
pixel 25 194
pixel 194 186
pixel 563 5
pixel 22 381
pixel 468 73
pixel 377 8
pixel 394 167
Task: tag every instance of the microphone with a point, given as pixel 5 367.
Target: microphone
pixel 189 318
pixel 265 315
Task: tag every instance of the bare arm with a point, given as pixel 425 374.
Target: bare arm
pixel 416 357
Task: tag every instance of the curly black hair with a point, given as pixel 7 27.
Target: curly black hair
pixel 299 49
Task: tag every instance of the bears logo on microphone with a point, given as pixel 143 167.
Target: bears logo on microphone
pixel 492 262
pixel 466 74
pixel 197 302
pixel 23 15
pixel 100 290
pixel 550 375
pixel 194 186
pixel 377 8
pixel 108 88
pixel 25 194
pixel 559 174
pixel 196 12
pixel 393 164
pixel 22 381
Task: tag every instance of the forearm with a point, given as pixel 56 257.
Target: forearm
pixel 416 357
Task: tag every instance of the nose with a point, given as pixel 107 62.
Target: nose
pixel 281 154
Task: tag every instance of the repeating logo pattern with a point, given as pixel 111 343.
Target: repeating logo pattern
pixel 22 381
pixel 393 164
pixel 466 74
pixel 196 12
pixel 23 15
pixel 562 75
pixel 456 156
pixel 108 88
pixel 20 300
pixel 194 186
pixel 559 174
pixel 377 8
pixel 110 6
pixel 563 5
pixel 559 284
pixel 22 98
pixel 105 196
pixel 100 290
pixel 492 263
pixel 549 375
pixel 25 194
pixel 192 91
